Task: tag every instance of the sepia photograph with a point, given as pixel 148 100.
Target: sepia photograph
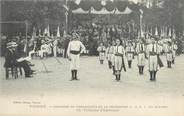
pixel 91 57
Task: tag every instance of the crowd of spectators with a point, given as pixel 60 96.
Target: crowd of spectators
pixel 90 35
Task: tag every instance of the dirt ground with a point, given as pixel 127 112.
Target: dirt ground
pixel 136 95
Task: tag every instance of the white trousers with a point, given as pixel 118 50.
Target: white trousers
pixel 118 62
pixel 141 59
pixel 112 57
pixel 49 51
pixel 174 54
pixel 169 56
pixel 129 56
pixel 101 55
pixel 108 57
pixel 55 51
pixel 74 63
pixel 41 52
pixel 153 63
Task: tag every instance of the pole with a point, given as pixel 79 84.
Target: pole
pixel 26 23
pixel 66 18
pixel 141 25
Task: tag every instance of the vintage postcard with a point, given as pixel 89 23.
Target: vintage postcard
pixel 92 58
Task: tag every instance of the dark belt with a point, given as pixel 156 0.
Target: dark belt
pixel 153 53
pixel 140 52
pixel 75 52
pixel 119 55
pixel 102 51
pixel 130 52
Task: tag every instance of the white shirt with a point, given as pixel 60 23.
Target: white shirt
pixel 129 49
pixel 168 48
pixel 140 47
pixel 153 48
pixel 45 47
pixel 75 46
pixel 55 42
pixel 119 49
pixel 111 51
pixel 101 48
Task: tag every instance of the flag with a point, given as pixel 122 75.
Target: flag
pixel 58 32
pixel 165 31
pixel 138 34
pixel 40 32
pixel 64 33
pixel 142 33
pixel 174 34
pixel 151 31
pixel 162 32
pixel 156 31
pixel 34 32
pixel 45 31
pixel 170 33
pixel 148 4
pixel 52 36
pixel 48 31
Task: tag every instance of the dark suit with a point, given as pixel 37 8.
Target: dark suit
pixel 11 60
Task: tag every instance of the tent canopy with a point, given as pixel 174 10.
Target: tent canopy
pixel 80 11
pixel 102 11
pixel 126 11
pixel 86 5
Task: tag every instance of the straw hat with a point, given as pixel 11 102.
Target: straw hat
pixel 11 45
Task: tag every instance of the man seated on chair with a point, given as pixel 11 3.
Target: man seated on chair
pixel 12 57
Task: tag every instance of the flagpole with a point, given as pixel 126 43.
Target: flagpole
pixel 141 24
pixel 26 23
pixel 66 18
pixel 141 21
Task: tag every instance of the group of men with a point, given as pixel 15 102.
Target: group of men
pixel 117 53
pixel 150 49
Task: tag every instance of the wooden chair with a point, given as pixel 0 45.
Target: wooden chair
pixel 13 70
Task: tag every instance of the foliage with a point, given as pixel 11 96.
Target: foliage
pixel 39 14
